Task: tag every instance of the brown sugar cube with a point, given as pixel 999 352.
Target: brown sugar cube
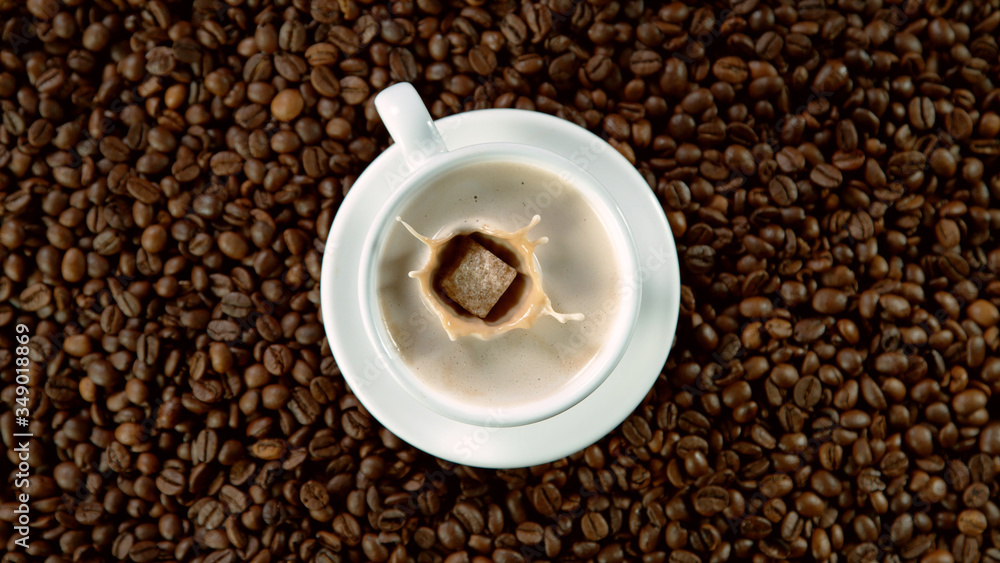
pixel 478 279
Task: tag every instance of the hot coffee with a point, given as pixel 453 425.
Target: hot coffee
pixel 581 272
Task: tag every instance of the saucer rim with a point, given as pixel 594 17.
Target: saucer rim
pixel 502 446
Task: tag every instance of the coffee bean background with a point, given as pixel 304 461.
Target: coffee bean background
pixel 169 172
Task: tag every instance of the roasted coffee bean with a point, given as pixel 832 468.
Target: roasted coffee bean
pixel 645 62
pixel 731 69
pixel 170 481
pixel 353 90
pixel 314 496
pixel 594 526
pixel 144 551
pixel 826 176
pixel 700 259
pixel 357 425
pixel 268 449
pixel 325 81
pixel 769 45
pixel 829 301
pixel 783 190
pixel 35 297
pixel 921 112
pixel 546 499
pixel 808 392
pixel 402 65
pixel 636 430
pixel 711 500
pixel 482 60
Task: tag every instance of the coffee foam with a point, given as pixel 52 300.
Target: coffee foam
pixel 581 274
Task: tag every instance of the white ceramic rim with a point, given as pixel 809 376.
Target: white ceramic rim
pixel 606 208
pixel 491 446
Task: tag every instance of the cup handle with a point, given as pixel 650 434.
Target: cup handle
pixel 405 116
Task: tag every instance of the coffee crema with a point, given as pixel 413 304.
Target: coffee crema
pixel 580 266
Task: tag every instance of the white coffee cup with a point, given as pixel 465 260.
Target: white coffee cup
pixel 407 120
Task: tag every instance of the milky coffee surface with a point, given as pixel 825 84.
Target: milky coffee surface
pixel 579 269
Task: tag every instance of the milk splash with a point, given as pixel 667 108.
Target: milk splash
pixel 531 307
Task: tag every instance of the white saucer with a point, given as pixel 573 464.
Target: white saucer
pixel 561 435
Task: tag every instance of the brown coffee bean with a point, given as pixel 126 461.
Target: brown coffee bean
pixel 171 482
pixel 314 496
pixel 144 551
pixel 731 69
pixel 205 446
pixel 268 449
pixel 353 90
pixel 451 535
pixel 645 62
pixel 325 81
pixel 356 424
pixel 513 28
pixel 769 45
pixel 976 495
pixel 783 190
pixel 223 331
pixel 530 533
pixel 920 439
pixel 210 514
pixel 303 406
pixel 989 439
pixel 832 76
pixel 35 297
pixel 122 546
pixel 636 430
pixel 826 176
pixel 958 124
pixel 594 526
pixel 972 522
pixel 236 304
pixel 402 64
pixel 482 60
pixel 699 259
pixel 921 112
pixel 225 163
pixel 563 68
pixel 808 392
pixel 697 101
pixel 546 499
pixel 905 163
pixel 598 67
pixel 829 301
pixel 984 313
pixel 711 500
pixel 617 126
pixel 88 513
pixel 968 401
pixel 766 86
pixel 321 54
pixel 755 527
pixel 470 517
